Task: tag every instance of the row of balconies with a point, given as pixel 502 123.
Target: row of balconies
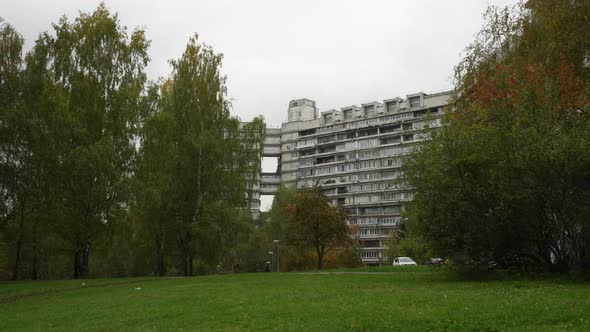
pixel 355 161
pixel 356 180
pixel 271 151
pixel 373 248
pixel 345 182
pixel 315 153
pixel 376 122
pixel 396 221
pixel 373 203
pixel 313 142
pixel 368 236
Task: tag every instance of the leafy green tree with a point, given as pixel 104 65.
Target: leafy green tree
pixel 505 183
pixel 315 223
pixel 89 77
pixel 153 179
pixel 12 142
pixel 197 164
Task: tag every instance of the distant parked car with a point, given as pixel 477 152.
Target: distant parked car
pixel 434 261
pixel 401 261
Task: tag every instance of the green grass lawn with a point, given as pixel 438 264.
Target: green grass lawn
pixel 405 299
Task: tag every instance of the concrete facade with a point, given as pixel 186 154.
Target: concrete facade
pixel 354 154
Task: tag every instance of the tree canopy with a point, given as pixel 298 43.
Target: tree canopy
pixel 197 163
pixel 315 223
pixel 95 161
pixel 506 182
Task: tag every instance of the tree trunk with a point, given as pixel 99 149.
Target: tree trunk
pixel 77 260
pixel 35 262
pixel 320 259
pixel 84 252
pixel 19 242
pixel 81 258
pixel 183 247
pixel 161 266
pixel 84 270
pixel 189 253
pixel 184 263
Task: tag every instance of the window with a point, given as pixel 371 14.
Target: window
pixel 367 221
pixel 392 209
pixel 344 136
pixel 415 101
pixel 306 143
pixel 308 152
pixel 326 139
pixel 368 154
pixel 391 106
pixel 368 176
pixel 305 163
pixel 387 221
pixel 328 117
pixel 370 254
pixel 368 231
pixel 371 210
pixel 347 114
pixel 419 114
pixel 368 143
pixel 307 172
pixel 326 149
pixel 367 132
pixel 371 244
pixel 391 196
pixel 389 129
pixel 325 160
pixel 390 140
pixel 307 132
pixel 390 174
pixel 330 191
pixel 367 164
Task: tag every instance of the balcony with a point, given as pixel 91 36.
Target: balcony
pixel 270 179
pixel 271 151
pixel 269 183
pixel 272 140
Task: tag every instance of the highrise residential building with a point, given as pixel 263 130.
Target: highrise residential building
pixel 354 155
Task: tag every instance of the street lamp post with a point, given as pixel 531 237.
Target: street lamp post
pixel 277 242
pixel 272 259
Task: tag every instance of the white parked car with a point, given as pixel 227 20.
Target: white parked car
pixel 401 261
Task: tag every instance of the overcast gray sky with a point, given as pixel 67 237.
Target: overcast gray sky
pixel 336 52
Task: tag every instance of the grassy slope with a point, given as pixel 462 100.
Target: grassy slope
pixel 400 301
